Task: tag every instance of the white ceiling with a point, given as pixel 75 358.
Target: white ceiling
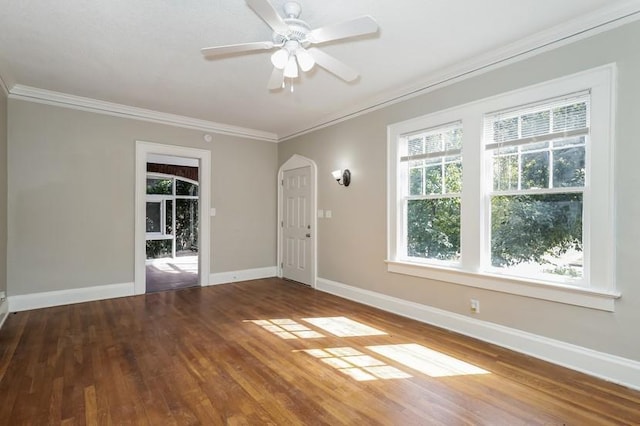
pixel 146 53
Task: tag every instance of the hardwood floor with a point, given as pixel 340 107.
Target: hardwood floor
pixel 171 273
pixel 275 352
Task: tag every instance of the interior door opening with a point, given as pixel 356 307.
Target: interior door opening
pixel 172 223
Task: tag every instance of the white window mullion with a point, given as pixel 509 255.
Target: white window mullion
pixel 173 224
pixel 443 181
pixel 173 218
pixel 519 168
pixel 551 169
pixel 472 230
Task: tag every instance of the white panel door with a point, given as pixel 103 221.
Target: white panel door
pixel 296 224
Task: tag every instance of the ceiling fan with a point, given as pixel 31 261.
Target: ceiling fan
pixel 294 39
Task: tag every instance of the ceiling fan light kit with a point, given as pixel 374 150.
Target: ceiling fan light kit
pixel 294 38
pixel 305 60
pixel 280 59
pixel 291 70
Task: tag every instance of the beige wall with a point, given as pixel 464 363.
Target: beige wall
pixel 3 190
pixel 71 197
pixel 352 245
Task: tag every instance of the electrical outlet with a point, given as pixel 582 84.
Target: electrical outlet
pixel 475 306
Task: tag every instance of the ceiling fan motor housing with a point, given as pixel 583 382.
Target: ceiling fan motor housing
pixel 299 30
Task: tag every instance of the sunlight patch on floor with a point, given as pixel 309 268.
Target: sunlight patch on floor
pixel 165 268
pixel 183 267
pixel 287 328
pixel 344 327
pixel 356 364
pixel 427 361
pixel 177 265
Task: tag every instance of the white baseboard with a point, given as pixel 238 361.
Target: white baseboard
pixel 243 275
pixel 605 366
pixel 4 308
pixel 25 302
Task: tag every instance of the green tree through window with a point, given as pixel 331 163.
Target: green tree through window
pixel 433 193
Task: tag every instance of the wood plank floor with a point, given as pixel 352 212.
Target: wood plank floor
pixel 275 352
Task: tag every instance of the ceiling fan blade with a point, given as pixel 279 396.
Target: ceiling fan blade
pixel 333 65
pixel 265 10
pixel 276 80
pixel 237 48
pixel 354 27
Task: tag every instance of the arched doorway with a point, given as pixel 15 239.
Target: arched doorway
pixel 297 220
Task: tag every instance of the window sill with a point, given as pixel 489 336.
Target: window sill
pixel 589 298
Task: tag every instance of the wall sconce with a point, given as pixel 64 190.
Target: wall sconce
pixel 344 176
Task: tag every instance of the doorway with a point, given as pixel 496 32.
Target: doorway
pixel 172 223
pixel 172 228
pixel 297 221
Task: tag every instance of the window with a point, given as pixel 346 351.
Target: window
pixel 431 166
pixel 521 210
pixel 172 216
pixel 537 158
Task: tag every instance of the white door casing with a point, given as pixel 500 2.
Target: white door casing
pixel 297 220
pixel 143 149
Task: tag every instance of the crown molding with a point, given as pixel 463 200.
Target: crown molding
pixel 6 78
pixel 568 32
pixel 49 97
pixel 3 86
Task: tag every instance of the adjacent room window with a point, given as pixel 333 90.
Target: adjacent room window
pixel 535 214
pixel 172 216
pixel 431 173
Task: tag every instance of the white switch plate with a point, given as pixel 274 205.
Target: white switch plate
pixel 213 211
pixel 320 214
pixel 327 214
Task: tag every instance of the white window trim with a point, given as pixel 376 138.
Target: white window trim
pixel 602 291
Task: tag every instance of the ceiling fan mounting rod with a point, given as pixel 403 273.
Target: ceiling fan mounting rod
pixel 292 9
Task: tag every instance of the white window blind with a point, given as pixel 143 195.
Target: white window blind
pixel 436 142
pixel 563 117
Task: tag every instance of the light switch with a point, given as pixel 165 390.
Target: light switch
pixel 320 214
pixel 327 214
pixel 213 211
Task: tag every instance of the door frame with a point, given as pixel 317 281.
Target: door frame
pixel 295 162
pixel 204 234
